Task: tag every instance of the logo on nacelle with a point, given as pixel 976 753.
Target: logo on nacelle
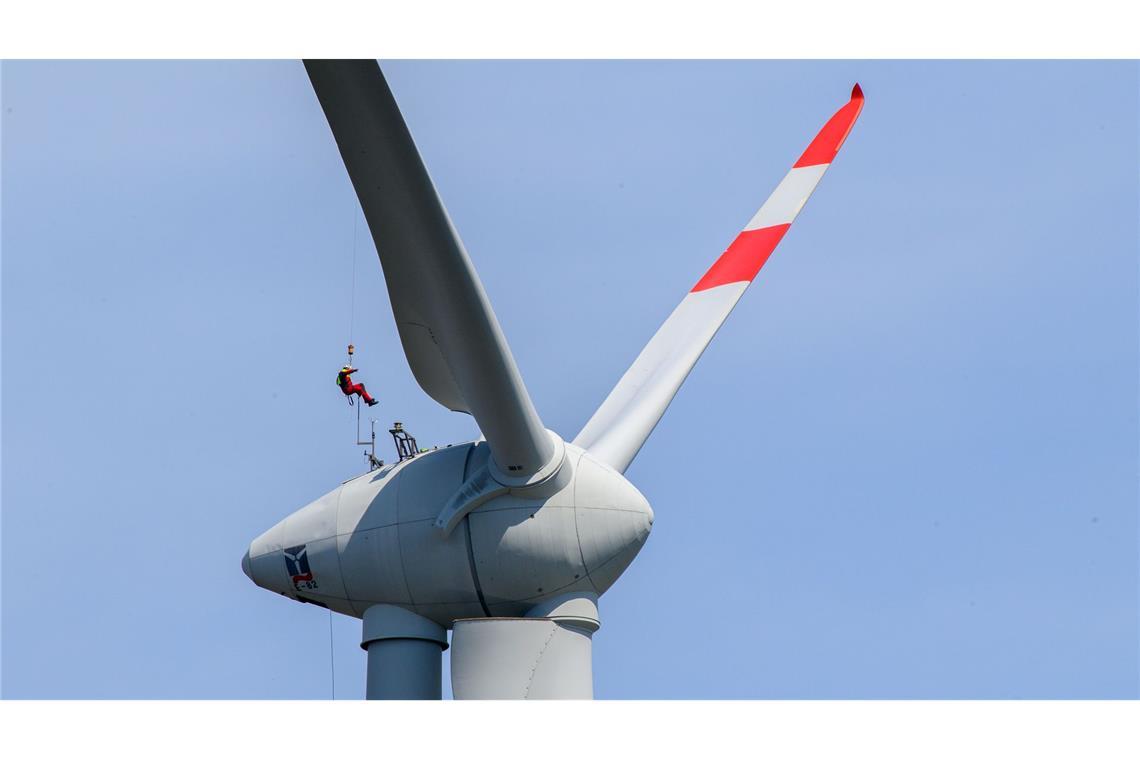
pixel 297 565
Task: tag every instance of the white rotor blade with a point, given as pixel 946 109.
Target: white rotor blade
pixel 451 337
pixel 621 425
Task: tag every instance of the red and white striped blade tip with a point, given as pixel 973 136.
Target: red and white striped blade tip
pixel 827 143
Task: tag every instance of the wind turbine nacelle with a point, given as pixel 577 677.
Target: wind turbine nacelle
pixel 380 538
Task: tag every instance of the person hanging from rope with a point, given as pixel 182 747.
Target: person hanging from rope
pixel 348 387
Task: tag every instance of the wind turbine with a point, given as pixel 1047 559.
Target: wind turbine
pixel 509 540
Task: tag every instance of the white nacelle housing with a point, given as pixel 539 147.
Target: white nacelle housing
pixel 375 540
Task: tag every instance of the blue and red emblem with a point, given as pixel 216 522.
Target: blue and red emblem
pixel 297 565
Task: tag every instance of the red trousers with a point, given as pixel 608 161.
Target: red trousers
pixel 358 389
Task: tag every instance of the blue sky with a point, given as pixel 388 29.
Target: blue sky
pixel 905 468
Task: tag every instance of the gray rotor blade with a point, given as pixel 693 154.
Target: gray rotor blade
pixel 452 340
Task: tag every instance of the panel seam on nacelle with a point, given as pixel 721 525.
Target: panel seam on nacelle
pixel 601 566
pixel 336 549
pixel 470 545
pixel 474 569
pixel 400 541
pixel 467 461
pixel 535 598
pixel 578 530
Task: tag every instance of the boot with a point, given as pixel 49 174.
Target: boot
pixel 372 402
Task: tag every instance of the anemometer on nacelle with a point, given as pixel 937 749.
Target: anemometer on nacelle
pixel 405 442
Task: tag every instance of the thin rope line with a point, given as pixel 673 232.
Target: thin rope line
pixel 332 667
pixel 352 298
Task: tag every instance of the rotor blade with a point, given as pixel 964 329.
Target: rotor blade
pixel 621 425
pixel 452 340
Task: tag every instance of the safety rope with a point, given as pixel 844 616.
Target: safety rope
pixel 351 402
pixel 352 295
pixel 332 662
pixel 352 310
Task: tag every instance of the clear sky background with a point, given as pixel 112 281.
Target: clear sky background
pixel 905 468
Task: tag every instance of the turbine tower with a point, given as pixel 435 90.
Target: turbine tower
pixel 509 540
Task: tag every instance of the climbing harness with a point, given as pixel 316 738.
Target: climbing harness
pixel 342 379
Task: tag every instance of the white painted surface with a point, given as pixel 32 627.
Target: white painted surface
pixel 520 658
pixel 451 337
pixel 621 425
pixel 788 198
pixel 374 540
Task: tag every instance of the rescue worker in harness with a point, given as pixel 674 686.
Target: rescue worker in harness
pixel 347 387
